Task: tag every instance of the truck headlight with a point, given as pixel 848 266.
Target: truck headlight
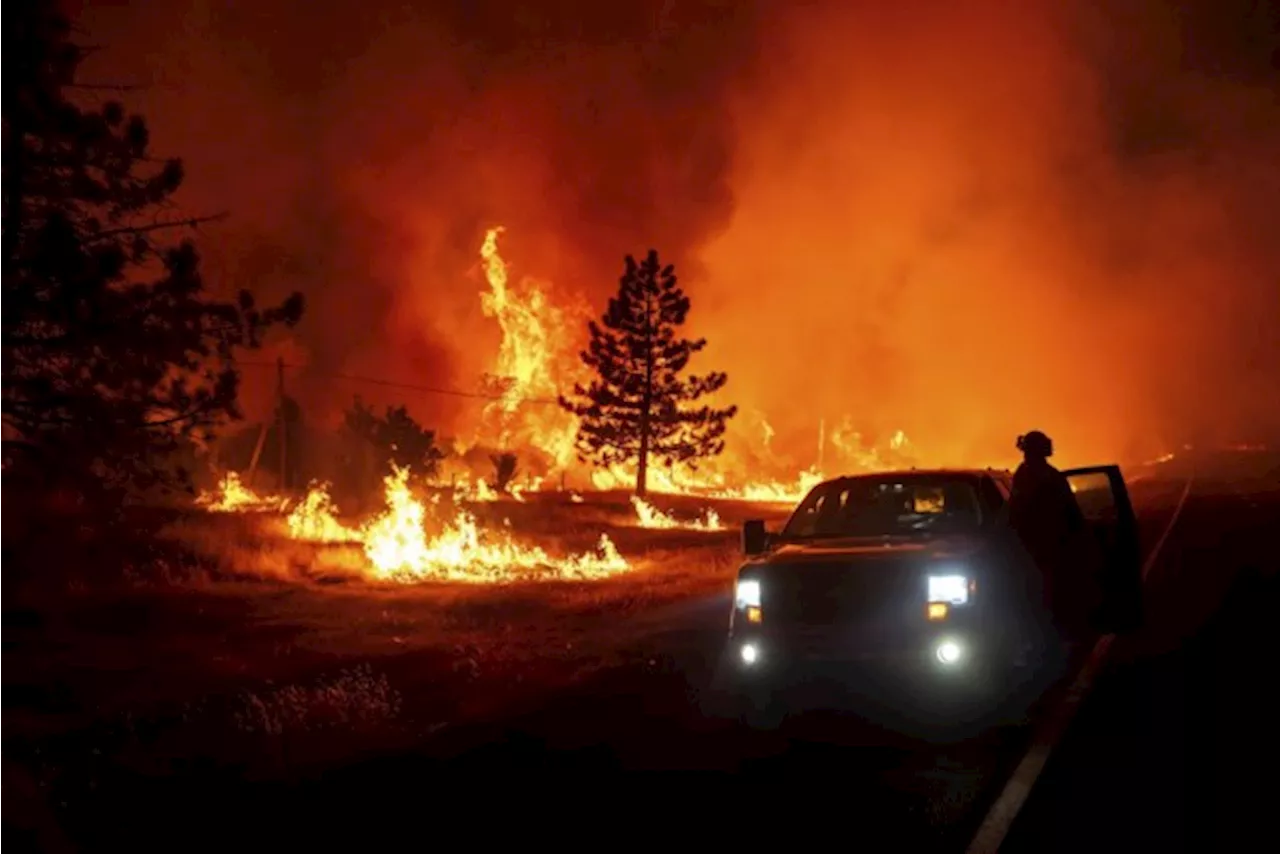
pixel 949 651
pixel 747 594
pixel 949 589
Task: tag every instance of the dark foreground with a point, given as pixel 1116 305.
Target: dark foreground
pixel 1176 748
pixel 1159 758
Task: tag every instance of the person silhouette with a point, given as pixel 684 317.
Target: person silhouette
pixel 1046 517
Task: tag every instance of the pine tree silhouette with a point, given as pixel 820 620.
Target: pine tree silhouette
pixel 115 355
pixel 640 404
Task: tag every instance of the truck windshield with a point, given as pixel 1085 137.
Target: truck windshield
pixel 886 506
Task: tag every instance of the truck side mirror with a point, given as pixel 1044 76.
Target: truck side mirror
pixel 755 539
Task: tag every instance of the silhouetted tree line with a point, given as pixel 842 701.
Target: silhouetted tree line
pixel 116 357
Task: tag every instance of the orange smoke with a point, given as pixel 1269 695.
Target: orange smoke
pixel 954 220
pixel 936 231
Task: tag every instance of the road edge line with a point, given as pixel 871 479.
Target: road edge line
pixel 1000 817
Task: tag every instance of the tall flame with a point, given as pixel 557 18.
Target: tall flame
pixel 533 334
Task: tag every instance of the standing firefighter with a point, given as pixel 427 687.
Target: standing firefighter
pixel 1045 515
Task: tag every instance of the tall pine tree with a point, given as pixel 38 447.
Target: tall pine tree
pixel 640 405
pixel 114 353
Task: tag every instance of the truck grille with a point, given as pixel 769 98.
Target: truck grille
pixel 872 595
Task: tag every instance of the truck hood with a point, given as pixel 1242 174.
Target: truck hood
pixel 853 550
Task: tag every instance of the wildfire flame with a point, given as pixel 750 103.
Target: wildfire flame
pixel 536 361
pixel 398 547
pixel 315 518
pixel 232 496
pixel 685 482
pixel 480 491
pixel 652 517
pixel 533 334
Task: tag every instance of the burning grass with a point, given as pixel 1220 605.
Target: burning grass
pixel 323 548
pixel 243 547
pixel 233 495
pixel 425 535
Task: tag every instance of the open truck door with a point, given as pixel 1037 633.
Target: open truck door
pixel 1104 500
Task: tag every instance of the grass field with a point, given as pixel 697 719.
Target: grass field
pixel 215 637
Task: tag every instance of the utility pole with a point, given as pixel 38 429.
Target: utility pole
pixel 257 453
pixel 280 422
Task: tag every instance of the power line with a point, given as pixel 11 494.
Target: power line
pixel 451 392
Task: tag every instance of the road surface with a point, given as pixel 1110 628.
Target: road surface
pixel 1175 749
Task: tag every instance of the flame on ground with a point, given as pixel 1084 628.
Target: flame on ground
pixel 232 496
pixel 315 518
pixel 652 517
pixel 851 452
pixel 708 485
pixel 398 547
pixel 480 492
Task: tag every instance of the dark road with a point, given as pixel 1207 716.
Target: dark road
pixel 1169 751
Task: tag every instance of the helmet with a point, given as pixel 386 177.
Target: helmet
pixel 1036 444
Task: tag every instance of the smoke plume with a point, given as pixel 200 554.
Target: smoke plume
pixel 957 220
